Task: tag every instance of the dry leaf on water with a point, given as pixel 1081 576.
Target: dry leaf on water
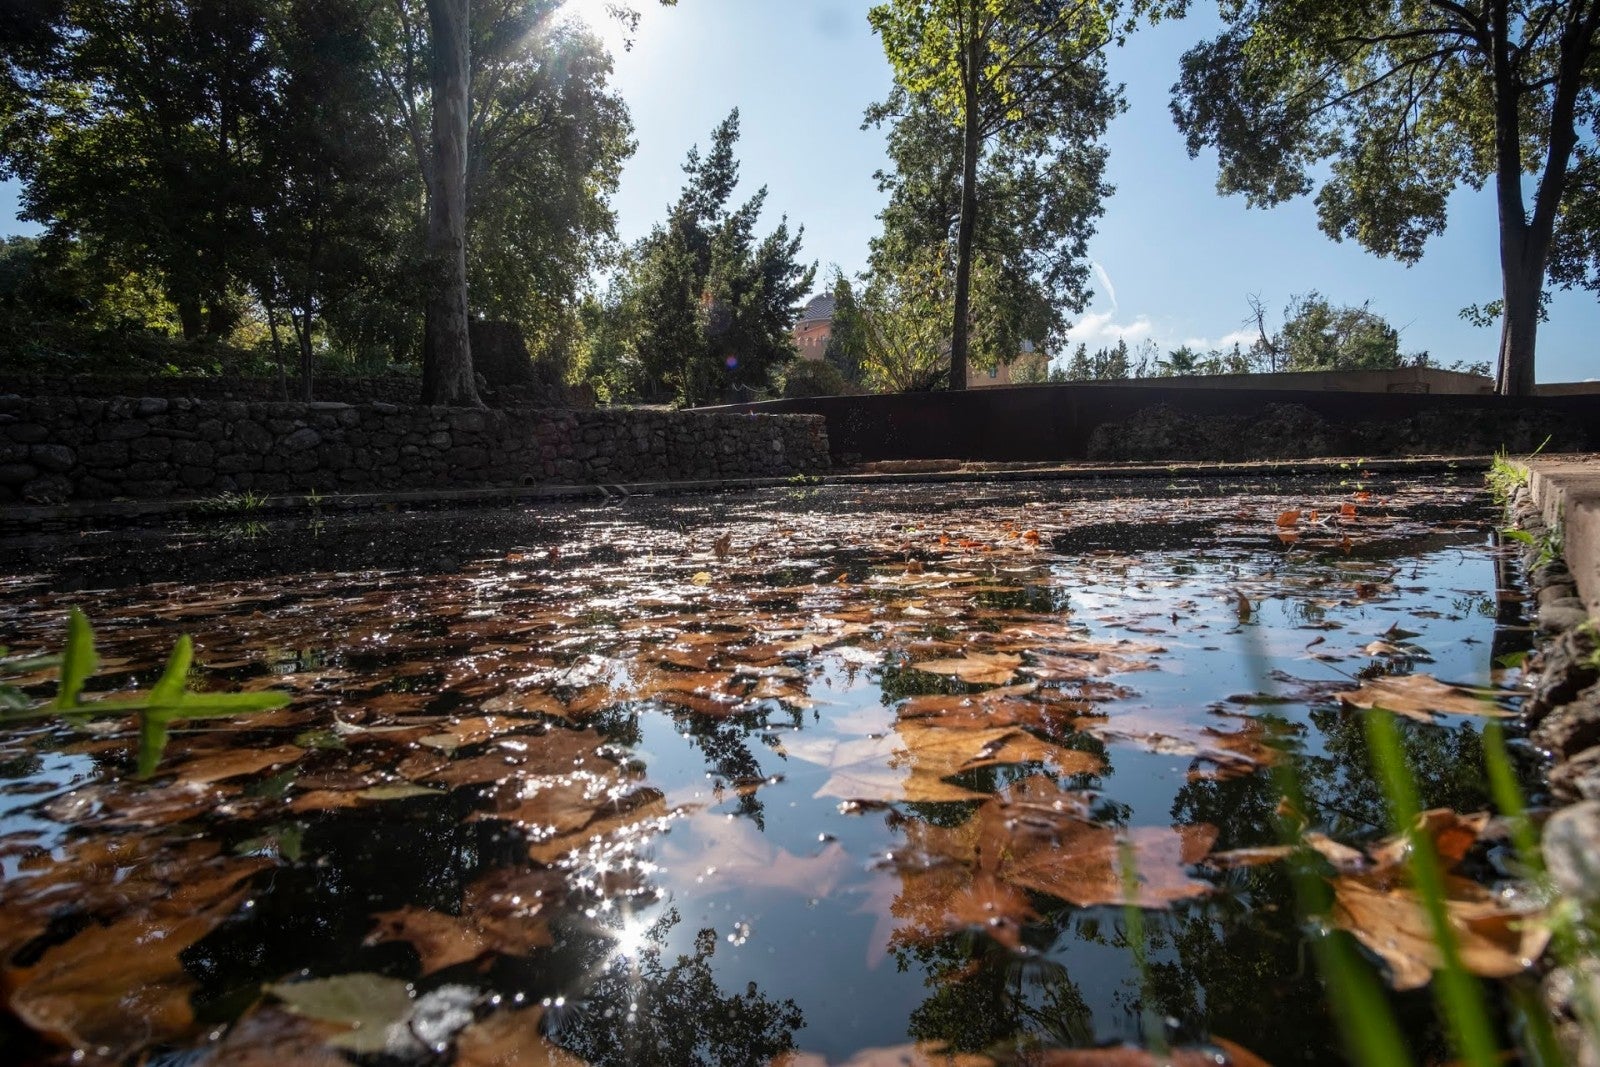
pixel 511 1039
pixel 445 940
pixel 979 668
pixel 121 986
pixel 911 761
pixel 1494 942
pixel 1421 697
pixel 363 1006
pixel 1221 1053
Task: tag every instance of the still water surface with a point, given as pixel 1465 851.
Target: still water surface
pixel 717 779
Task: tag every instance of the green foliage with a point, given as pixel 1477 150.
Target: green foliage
pixel 702 307
pixel 262 162
pixel 813 377
pixel 1392 105
pixel 995 120
pixel 897 328
pixel 169 700
pixel 846 351
pixel 1319 336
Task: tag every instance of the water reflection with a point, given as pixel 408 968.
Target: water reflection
pixel 698 804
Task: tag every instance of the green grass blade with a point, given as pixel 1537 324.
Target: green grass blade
pixel 77 660
pixel 209 705
pixel 1458 993
pixel 152 742
pixel 169 688
pixel 1508 797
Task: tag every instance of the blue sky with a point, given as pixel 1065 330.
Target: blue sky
pixel 1174 261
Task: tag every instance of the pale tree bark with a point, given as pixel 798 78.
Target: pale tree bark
pixel 447 354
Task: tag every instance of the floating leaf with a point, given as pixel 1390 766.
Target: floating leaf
pixel 911 762
pixel 1422 697
pixel 979 668
pixel 447 940
pixel 365 1005
pixel 511 1039
pixel 1391 921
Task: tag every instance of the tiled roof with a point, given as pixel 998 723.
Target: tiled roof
pixel 818 309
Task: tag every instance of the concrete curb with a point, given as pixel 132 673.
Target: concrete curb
pixel 1560 505
pixel 1566 489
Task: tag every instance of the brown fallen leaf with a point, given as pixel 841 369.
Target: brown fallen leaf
pixel 1220 1053
pixel 911 761
pixel 1081 863
pixel 979 668
pixel 208 767
pixel 511 1039
pixel 114 989
pixel 1422 697
pixel 446 940
pixel 1390 920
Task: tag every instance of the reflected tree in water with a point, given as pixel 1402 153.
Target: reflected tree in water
pixel 641 1010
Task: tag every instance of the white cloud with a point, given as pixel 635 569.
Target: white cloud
pixel 1099 328
pixel 1105 281
pixel 1241 337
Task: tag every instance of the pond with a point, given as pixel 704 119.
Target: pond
pixel 776 776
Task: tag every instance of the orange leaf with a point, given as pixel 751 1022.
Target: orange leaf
pixel 1347 510
pixel 1289 518
pixel 1031 535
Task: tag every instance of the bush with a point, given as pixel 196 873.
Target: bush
pixel 813 377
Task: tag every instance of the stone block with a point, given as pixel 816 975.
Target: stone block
pixel 27 432
pixel 56 458
pixel 17 474
pixel 150 448
pixel 122 430
pixel 300 440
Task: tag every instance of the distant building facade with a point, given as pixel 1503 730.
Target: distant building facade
pixel 814 329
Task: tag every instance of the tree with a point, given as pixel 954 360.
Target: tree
pixel 846 344
pixel 1001 100
pixel 136 126
pixel 1404 100
pixel 710 306
pixel 330 220
pixel 901 331
pixel 1318 336
pixel 446 350
pixel 545 144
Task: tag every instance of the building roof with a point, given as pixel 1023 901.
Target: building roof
pixel 818 309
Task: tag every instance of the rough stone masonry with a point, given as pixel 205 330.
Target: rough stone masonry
pixel 55 448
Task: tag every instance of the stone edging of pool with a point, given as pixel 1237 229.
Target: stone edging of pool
pixel 1559 506
pixel 20 518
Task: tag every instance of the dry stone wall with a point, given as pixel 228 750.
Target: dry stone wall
pixel 55 448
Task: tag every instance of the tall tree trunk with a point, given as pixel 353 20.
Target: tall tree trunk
pixel 302 334
pixel 1522 280
pixel 446 351
pixel 966 228
pixel 277 347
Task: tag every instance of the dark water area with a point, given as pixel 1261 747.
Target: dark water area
pixel 724 779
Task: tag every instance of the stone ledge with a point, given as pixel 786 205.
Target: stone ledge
pixel 1566 489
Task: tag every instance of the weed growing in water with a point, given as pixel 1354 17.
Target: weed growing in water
pixel 166 702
